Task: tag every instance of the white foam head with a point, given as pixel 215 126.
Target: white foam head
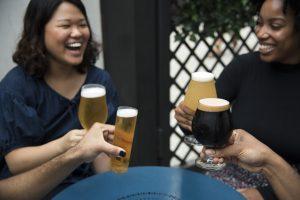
pixel 127 112
pixel 214 102
pixel 93 92
pixel 202 76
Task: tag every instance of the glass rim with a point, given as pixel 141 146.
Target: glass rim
pixel 129 108
pixel 91 85
pixel 86 92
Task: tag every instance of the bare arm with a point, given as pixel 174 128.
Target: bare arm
pixel 251 154
pixel 47 176
pixel 283 178
pixel 26 158
pixel 43 178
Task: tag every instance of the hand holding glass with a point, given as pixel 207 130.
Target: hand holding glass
pixel 92 106
pixel 202 85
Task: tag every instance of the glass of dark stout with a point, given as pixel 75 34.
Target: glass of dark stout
pixel 212 128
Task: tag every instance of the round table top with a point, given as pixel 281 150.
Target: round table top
pixel 149 183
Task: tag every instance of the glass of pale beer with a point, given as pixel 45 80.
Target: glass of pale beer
pixel 124 134
pixel 202 85
pixel 92 106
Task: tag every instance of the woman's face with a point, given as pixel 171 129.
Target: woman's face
pixel 276 34
pixel 66 36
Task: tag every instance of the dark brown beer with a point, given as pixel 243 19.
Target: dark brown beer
pixel 212 124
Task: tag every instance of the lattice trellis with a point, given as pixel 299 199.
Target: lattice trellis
pixel 188 57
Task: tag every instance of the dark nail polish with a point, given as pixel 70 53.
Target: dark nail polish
pixel 122 153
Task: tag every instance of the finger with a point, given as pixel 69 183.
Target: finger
pixel 80 132
pixel 96 130
pixel 229 151
pixel 202 153
pixel 113 150
pixel 184 121
pixel 109 128
pixel 77 138
pixel 187 127
pixel 181 113
pixel 110 138
pixel 187 110
pixel 234 135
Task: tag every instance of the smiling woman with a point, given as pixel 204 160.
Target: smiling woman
pixel 277 32
pixel 262 88
pixel 66 36
pixel 39 98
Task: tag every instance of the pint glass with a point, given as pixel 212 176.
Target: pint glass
pixel 202 85
pixel 92 106
pixel 124 133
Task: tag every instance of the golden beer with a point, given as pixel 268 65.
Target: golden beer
pixel 202 85
pixel 92 106
pixel 124 133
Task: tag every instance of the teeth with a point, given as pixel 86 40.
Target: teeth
pixel 75 45
pixel 265 48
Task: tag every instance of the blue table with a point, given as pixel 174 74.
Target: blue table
pixel 149 183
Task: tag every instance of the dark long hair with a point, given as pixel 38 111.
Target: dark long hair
pixel 31 51
pixel 294 5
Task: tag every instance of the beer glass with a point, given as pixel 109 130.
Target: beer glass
pixel 212 127
pixel 202 85
pixel 124 134
pixel 92 106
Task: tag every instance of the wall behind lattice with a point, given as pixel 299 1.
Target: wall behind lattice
pixel 187 57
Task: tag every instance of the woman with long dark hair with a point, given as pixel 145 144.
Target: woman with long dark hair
pixel 39 98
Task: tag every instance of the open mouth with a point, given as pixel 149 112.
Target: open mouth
pixel 74 46
pixel 266 48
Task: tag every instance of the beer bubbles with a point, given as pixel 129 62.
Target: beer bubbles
pixel 92 107
pixel 124 134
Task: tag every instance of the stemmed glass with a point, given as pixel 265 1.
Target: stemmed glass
pixel 92 106
pixel 212 127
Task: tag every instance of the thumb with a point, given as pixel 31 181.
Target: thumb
pixel 113 150
pixel 227 152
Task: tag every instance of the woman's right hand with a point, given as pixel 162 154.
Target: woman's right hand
pixel 184 116
pixel 71 139
pixel 244 150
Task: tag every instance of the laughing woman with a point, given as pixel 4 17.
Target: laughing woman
pixel 39 98
pixel 263 88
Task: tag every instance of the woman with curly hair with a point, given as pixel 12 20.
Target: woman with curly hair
pixel 263 88
pixel 39 98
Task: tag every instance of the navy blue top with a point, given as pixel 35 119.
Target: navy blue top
pixel 32 113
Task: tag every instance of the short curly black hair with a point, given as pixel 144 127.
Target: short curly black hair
pixel 31 52
pixel 294 5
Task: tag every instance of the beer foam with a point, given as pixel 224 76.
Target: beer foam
pixel 202 76
pixel 93 92
pixel 127 112
pixel 214 102
pixel 213 105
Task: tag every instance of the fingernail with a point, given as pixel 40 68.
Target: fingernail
pixel 122 153
pixel 210 152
